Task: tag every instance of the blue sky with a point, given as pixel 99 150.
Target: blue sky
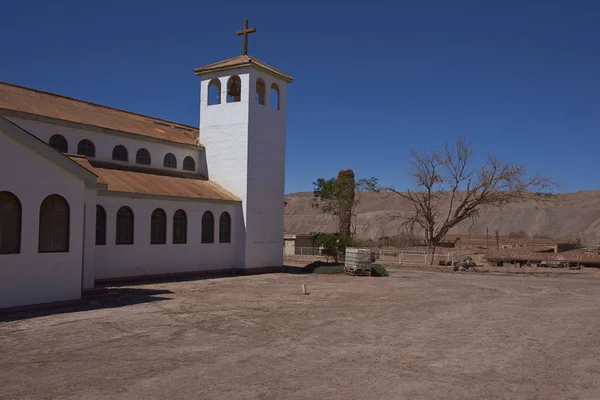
pixel 520 79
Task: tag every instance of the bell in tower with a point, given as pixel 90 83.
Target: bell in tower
pixel 234 92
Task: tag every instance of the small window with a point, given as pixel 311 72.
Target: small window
pixel 170 161
pixel 54 225
pixel 234 89
pixel 10 223
pixel 120 153
pixel 158 227
pixel 179 227
pixel 100 226
pixel 274 96
pixel 225 228
pixel 214 92
pixel 260 91
pixel 142 157
pixel 86 148
pixel 189 164
pixel 124 226
pixel 208 228
pixel 59 143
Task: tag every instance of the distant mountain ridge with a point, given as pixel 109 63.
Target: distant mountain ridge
pixel 570 216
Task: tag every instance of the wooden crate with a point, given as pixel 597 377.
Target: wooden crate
pixel 357 271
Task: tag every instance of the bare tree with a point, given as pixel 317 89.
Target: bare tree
pixel 450 189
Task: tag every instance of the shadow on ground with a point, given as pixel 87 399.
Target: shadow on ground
pixel 186 277
pixel 110 298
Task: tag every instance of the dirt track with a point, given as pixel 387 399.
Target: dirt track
pixel 415 335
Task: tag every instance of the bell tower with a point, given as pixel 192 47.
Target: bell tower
pixel 242 127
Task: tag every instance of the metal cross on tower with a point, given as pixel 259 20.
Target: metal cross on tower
pixel 246 32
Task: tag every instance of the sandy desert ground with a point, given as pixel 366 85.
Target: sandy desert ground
pixel 414 335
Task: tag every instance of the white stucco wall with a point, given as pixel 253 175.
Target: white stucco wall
pixel 266 176
pixel 143 258
pixel 89 239
pixel 245 152
pixel 105 143
pixel 224 134
pixel 32 277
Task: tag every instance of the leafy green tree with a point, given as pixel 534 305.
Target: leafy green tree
pixel 339 197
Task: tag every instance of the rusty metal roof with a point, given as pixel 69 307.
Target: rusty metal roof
pixel 37 102
pixel 241 61
pixel 155 182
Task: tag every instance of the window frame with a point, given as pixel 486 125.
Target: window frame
pixel 158 227
pixel 182 221
pixel 119 241
pixel 140 156
pixel 90 146
pixel 189 164
pixel 51 247
pixel 206 237
pixel 170 161
pixel 100 238
pixel 225 219
pixel 19 221
pixel 126 152
pixel 57 146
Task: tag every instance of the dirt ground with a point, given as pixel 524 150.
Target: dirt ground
pixel 414 335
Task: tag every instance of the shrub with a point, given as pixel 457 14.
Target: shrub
pixel 333 245
pixel 331 269
pixel 378 270
pixel 310 268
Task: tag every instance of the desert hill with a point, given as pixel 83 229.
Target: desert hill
pixel 570 216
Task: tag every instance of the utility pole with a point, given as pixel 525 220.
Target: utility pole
pixel 487 240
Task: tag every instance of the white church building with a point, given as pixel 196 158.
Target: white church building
pixel 91 193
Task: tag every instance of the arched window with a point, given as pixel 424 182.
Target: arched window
pixel 170 161
pixel 225 228
pixel 158 227
pixel 54 225
pixel 100 225
pixel 208 228
pixel 142 157
pixel 10 223
pixel 260 91
pixel 189 164
pixel 86 148
pixel 234 89
pixel 274 96
pixel 124 226
pixel 214 92
pixel 179 227
pixel 59 143
pixel 120 153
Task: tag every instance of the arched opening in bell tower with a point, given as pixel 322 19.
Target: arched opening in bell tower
pixel 234 89
pixel 214 92
pixel 260 91
pixel 274 96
